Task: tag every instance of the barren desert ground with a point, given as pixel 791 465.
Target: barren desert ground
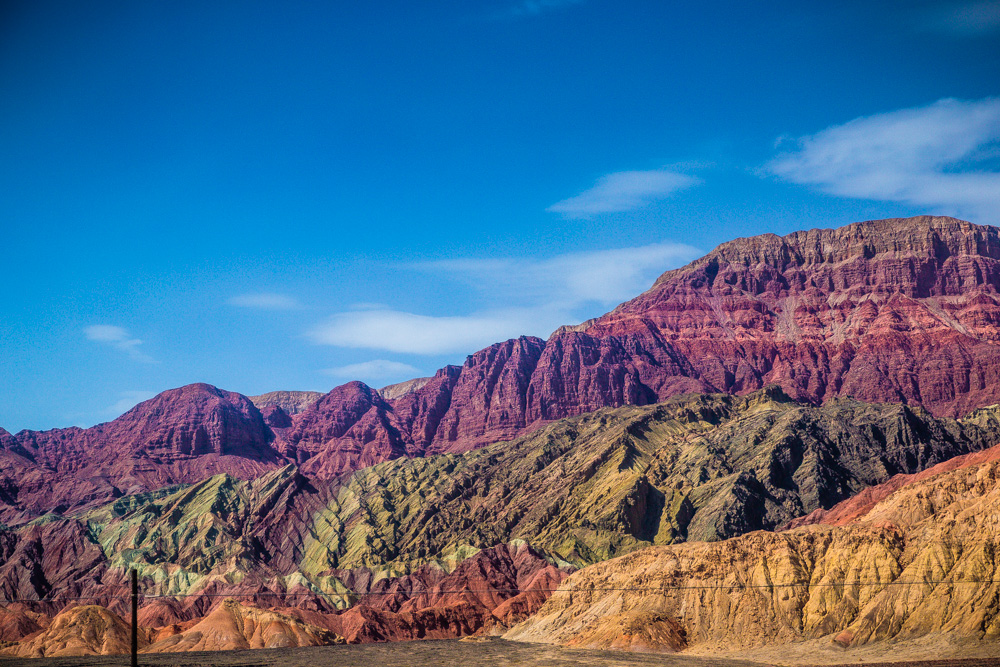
pixel 429 653
pixel 433 653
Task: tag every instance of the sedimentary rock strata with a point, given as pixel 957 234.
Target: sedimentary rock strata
pixel 903 311
pixel 918 563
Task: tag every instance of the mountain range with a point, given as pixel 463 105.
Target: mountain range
pixel 758 388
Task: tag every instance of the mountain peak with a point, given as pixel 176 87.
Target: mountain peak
pixel 922 237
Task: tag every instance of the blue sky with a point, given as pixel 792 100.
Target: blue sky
pixel 290 195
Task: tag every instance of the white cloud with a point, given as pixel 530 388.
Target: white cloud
pixel 127 401
pixel 375 371
pixel 964 19
pixel 933 157
pixel 106 333
pixel 536 7
pixel 265 301
pixel 604 276
pixel 525 297
pixel 118 338
pixel 402 332
pixel 624 191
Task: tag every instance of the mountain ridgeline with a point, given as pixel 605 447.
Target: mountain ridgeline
pixel 806 383
pixel 901 311
pixel 578 491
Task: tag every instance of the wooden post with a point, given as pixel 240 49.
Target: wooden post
pixel 135 617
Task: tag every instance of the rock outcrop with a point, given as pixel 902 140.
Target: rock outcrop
pixel 900 311
pixel 232 625
pixel 290 402
pixel 84 630
pixel 181 435
pixel 277 407
pixel 918 564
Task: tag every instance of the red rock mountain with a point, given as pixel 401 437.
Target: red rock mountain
pixel 902 310
pixel 181 435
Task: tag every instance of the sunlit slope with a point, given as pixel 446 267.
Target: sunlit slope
pixel 581 490
pixel 587 488
pixel 920 564
pixel 702 467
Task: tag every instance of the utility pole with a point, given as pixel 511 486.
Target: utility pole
pixel 135 617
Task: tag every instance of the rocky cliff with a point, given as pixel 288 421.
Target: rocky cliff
pixel 919 564
pixel 181 435
pixel 232 626
pixel 278 406
pixel 902 311
pixel 290 402
pixel 587 488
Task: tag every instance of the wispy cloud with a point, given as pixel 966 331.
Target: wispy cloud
pixel 128 400
pixel 963 19
pixel 536 7
pixel 526 297
pixel 624 191
pixel 118 338
pixel 376 371
pixel 402 332
pixel 265 301
pixel 937 157
pixel 604 276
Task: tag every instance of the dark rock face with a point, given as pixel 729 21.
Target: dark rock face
pixel 52 556
pixel 492 590
pixel 275 417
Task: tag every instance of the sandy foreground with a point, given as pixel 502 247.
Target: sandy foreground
pixel 445 653
pixel 424 653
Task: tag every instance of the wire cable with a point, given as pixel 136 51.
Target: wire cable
pixel 515 591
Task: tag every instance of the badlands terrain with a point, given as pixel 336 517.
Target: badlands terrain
pixel 784 451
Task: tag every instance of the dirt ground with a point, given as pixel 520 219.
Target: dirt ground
pixel 438 653
pixel 427 653
pixel 441 653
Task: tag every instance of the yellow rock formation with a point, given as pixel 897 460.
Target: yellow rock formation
pixel 921 563
pixel 86 630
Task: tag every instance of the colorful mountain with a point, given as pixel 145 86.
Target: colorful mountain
pixel 916 567
pixel 232 626
pixel 515 516
pixel 901 311
pixel 796 381
pixel 83 630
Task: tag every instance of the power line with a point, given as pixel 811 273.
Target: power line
pixel 456 591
